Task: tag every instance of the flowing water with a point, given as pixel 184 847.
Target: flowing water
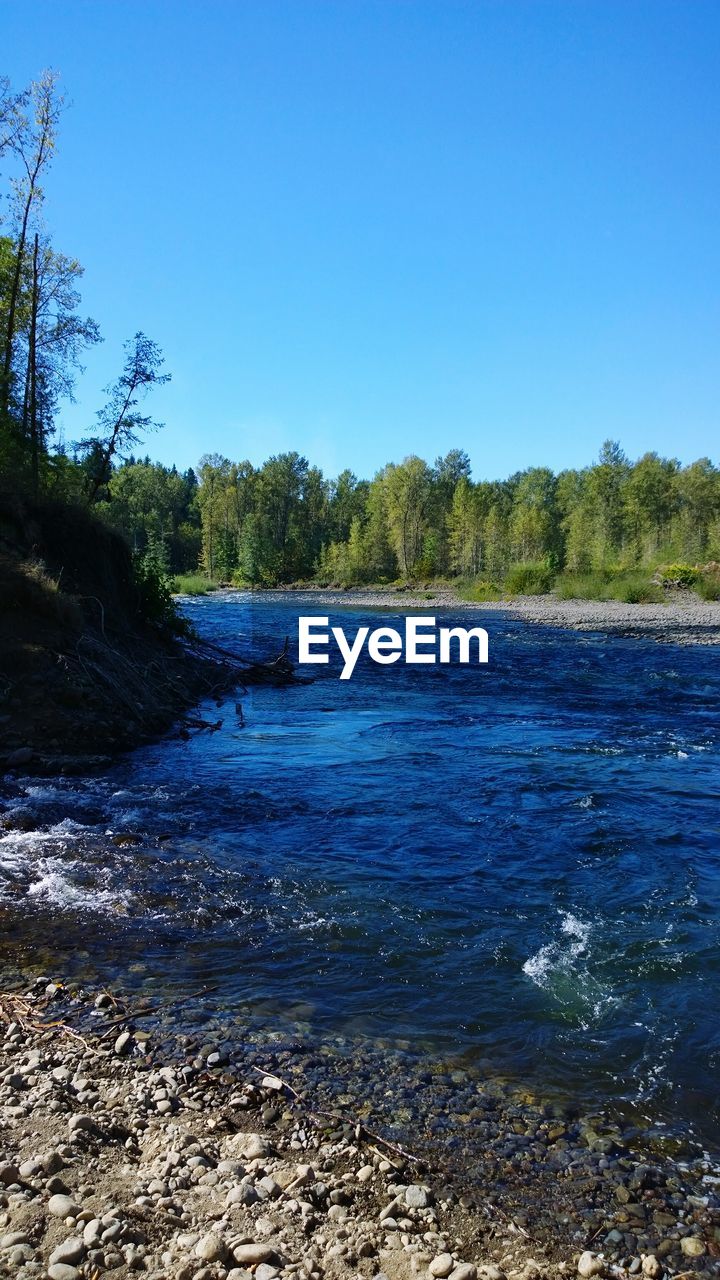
pixel 515 865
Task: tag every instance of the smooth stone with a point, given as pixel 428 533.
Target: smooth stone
pixel 251 1255
pixel 465 1271
pixel 60 1271
pixel 245 1194
pixel 13 1238
pixel 442 1265
pixel 589 1264
pixel 211 1248
pixel 122 1044
pixel 9 1174
pixel 62 1206
pixel 70 1252
pixel 256 1147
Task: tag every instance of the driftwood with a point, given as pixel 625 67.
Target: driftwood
pixel 16 1008
pixel 319 1116
pixel 279 670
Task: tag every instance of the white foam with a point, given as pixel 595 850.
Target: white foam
pixel 560 967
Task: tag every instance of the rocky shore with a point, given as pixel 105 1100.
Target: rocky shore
pixel 684 619
pixel 180 1159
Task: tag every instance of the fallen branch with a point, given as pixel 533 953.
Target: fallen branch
pixel 318 1115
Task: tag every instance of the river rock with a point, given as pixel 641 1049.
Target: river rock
pixel 251 1255
pixel 442 1265
pixel 417 1197
pixel 464 1271
pixel 255 1147
pixel 590 1264
pixel 211 1248
pixel 9 1174
pixel 651 1267
pixel 62 1206
pixel 123 1043
pixel 692 1247
pixel 61 1271
pixel 71 1252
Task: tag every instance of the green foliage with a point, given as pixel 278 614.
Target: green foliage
pixel 630 587
pixel 680 575
pixel 155 596
pixel 476 592
pixel 533 578
pixel 192 584
pixel 708 585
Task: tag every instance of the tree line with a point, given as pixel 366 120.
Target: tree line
pixel 285 521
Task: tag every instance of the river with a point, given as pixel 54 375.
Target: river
pixel 513 867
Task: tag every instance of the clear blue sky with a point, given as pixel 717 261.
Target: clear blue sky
pixel 364 228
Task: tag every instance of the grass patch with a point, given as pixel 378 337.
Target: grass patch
pixel 632 586
pixel 192 584
pixel 477 592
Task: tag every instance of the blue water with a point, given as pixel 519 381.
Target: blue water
pixel 515 865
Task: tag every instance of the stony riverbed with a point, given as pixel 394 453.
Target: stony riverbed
pixel 177 1155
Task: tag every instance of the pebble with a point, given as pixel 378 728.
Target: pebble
pixel 417 1197
pixel 62 1206
pixel 251 1255
pixel 70 1252
pixel 590 1264
pixel 442 1265
pixel 692 1247
pixel 211 1248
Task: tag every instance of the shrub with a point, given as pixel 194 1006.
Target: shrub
pixel 534 578
pixel 582 586
pixel 155 600
pixel 631 586
pixel 708 585
pixel 634 588
pixel 679 575
pixel 476 592
pixel 192 584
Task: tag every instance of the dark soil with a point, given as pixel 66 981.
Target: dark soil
pixel 83 673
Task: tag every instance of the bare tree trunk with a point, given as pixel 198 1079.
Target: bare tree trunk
pixel 32 369
pixel 6 375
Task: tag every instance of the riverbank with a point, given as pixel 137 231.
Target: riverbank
pixel 684 619
pixel 92 661
pixel 179 1157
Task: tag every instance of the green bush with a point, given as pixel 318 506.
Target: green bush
pixel 477 592
pixel 582 586
pixel 708 585
pixel 192 584
pixel 634 588
pixel 679 575
pixel 534 578
pixel 155 598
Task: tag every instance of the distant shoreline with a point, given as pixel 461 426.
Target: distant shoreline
pixel 685 620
